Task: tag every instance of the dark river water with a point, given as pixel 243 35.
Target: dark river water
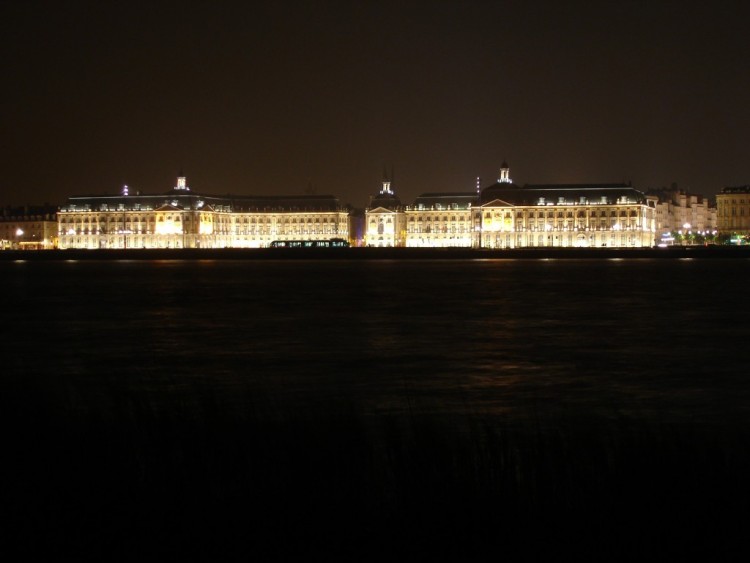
pixel 511 338
pixel 386 410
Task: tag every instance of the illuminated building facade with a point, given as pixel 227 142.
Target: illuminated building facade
pixel 591 215
pixel 679 213
pixel 733 211
pixel 385 223
pixel 184 219
pixel 566 215
pixel 502 215
pixel 505 215
pixel 28 228
pixel 440 220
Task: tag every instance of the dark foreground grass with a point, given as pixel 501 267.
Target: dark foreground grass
pixel 135 482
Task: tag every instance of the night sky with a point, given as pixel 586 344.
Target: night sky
pixel 284 97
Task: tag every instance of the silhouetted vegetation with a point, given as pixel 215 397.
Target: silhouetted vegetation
pixel 206 478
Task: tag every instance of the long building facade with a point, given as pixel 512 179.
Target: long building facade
pixel 502 215
pixel 566 215
pixel 505 215
pixel 184 219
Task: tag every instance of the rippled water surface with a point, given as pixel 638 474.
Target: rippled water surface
pixel 656 338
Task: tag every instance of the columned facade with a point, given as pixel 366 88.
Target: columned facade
pixel 385 223
pixel 182 219
pixel 505 215
pixel 501 224
pixel 440 220
pixel 502 215
pixel 562 215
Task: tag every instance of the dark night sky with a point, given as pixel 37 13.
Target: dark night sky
pixel 271 98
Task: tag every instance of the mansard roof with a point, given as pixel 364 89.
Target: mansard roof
pixel 193 200
pixel 532 194
pixel 387 201
pixel 28 212
pixel 446 200
pixel 286 203
pixel 184 200
pixel 736 190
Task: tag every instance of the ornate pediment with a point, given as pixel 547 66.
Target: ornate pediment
pixel 169 207
pixel 382 210
pixel 497 203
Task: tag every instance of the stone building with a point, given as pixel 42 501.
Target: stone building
pixel 440 220
pixel 181 218
pixel 28 228
pixel 506 215
pixel 385 223
pixel 680 213
pixel 567 215
pixel 733 211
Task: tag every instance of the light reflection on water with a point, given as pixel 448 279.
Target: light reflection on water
pixel 654 338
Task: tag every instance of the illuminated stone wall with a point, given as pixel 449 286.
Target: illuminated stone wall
pixel 733 210
pixel 31 233
pixel 179 228
pixel 385 227
pixel 182 219
pixel 623 225
pixel 680 213
pixel 438 227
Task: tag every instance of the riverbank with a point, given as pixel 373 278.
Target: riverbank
pixel 371 253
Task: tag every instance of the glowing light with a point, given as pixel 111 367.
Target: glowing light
pixel 182 184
